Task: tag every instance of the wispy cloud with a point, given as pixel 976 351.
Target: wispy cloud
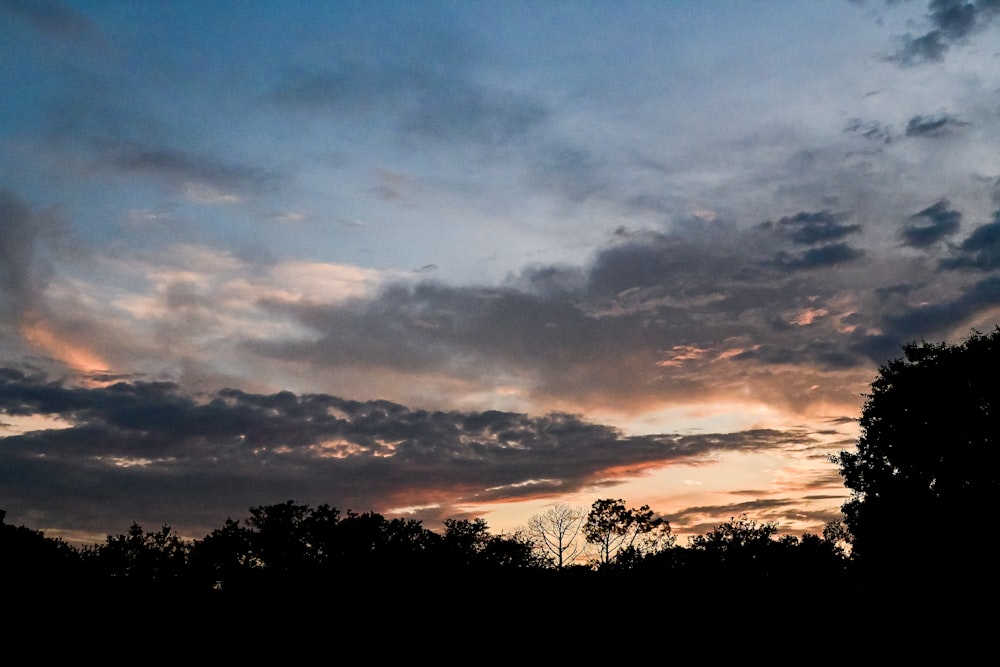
pixel 201 177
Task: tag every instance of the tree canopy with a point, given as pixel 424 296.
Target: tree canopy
pixel 926 462
pixel 621 534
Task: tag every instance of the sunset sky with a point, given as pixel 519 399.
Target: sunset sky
pixel 470 259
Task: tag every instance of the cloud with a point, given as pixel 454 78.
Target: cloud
pixel 921 126
pixel 936 125
pixel 18 240
pixel 701 519
pixel 463 112
pixel 172 451
pixel 816 229
pixel 981 250
pixel 29 240
pixel 573 172
pixel 597 335
pixel 952 22
pixel 930 47
pixel 931 225
pixel 981 296
pixel 812 228
pixel 53 19
pixel 347 87
pixel 203 178
pixel 818 257
pixel 425 102
pixel 957 18
pixel 872 130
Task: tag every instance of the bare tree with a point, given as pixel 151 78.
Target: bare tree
pixel 556 533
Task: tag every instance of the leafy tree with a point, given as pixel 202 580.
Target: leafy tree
pixel 512 551
pixel 225 558
pixel 556 533
pixel 468 544
pixel 750 555
pixel 742 535
pixel 140 558
pixel 30 562
pixel 927 463
pixel 464 540
pixel 290 544
pixel 624 534
pixel 280 537
pixel 369 541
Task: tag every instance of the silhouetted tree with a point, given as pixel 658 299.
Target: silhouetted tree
pixel 464 540
pixel 927 463
pixel 225 559
pixel 468 544
pixel 32 563
pixel 623 534
pixel 370 542
pixel 139 559
pixel 289 544
pixel 737 536
pixel 556 533
pixel 280 538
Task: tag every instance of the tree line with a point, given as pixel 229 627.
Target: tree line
pixel 292 546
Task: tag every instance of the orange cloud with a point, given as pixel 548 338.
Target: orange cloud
pixel 77 356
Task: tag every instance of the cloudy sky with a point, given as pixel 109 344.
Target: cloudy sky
pixel 451 259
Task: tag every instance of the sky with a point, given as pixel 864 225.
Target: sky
pixel 468 259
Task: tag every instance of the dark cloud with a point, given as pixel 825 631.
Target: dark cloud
pixel 552 282
pixel 927 320
pixel 818 257
pixel 931 225
pixel 660 261
pixel 926 48
pixel 23 271
pixel 469 113
pixel 817 229
pixel 981 250
pixel 842 420
pixel 872 130
pixel 811 228
pixel 436 103
pixel 879 348
pixel 171 451
pixel 952 22
pixel 809 508
pixel 955 18
pixel 933 126
pixel 53 19
pixel 184 167
pixel 705 518
pixel 919 126
pixel 576 174
pixel 18 235
pixel 823 353
pixel 349 87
